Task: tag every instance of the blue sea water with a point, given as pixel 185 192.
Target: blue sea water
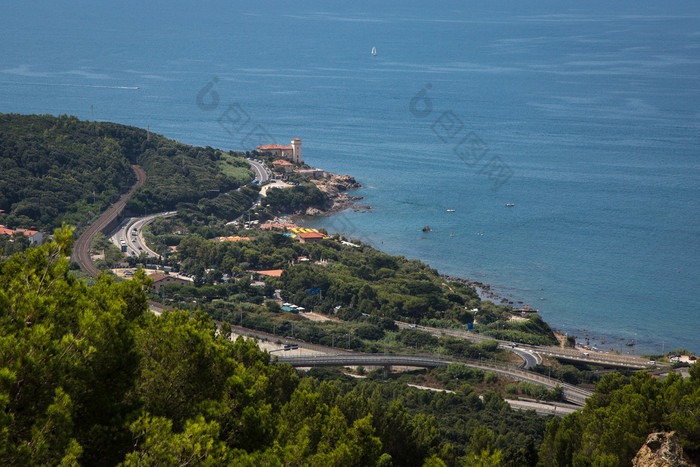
pixel 585 116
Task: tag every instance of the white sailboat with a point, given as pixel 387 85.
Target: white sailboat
pixel 374 51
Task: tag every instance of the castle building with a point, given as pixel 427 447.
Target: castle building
pixel 292 153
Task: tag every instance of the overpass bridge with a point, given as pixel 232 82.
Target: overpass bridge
pixel 570 393
pixel 594 358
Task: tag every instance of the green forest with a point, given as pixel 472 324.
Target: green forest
pixel 62 169
pixel 89 376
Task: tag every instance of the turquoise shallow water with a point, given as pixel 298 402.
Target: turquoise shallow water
pixel 586 118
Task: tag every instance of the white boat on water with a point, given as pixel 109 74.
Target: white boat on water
pixel 374 51
pixel 510 205
pixel 450 210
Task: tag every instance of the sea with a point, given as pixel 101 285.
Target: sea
pixel 585 117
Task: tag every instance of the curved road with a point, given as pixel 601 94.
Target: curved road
pixel 531 359
pixel 260 171
pixel 81 248
pixel 131 230
pixel 528 352
pixel 334 356
pixel 570 393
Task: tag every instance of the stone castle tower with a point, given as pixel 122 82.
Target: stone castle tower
pixel 296 151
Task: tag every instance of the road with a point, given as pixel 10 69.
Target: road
pixel 261 172
pixel 528 352
pixel 595 358
pixel 542 408
pixel 570 393
pixel 131 230
pixel 530 358
pixel 81 248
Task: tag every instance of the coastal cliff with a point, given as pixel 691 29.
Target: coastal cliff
pixel 334 188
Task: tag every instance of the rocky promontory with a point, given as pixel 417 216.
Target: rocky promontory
pixel 334 187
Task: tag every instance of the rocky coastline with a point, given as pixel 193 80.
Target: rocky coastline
pixel 485 291
pixel 334 187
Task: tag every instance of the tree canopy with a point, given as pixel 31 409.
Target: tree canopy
pixel 88 375
pixel 62 169
pixel 622 412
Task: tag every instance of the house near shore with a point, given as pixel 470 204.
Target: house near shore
pixel 292 152
pixel 283 165
pixel 310 237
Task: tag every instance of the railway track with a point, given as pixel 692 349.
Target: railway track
pixel 81 248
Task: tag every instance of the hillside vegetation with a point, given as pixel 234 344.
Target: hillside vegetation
pixel 88 375
pixel 61 169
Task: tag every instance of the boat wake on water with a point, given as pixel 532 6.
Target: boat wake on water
pixel 130 88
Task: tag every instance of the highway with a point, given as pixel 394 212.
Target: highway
pixel 543 408
pixel 531 353
pixel 570 393
pixel 530 358
pixel 332 356
pixel 595 358
pixel 131 230
pixel 81 248
pixel 261 172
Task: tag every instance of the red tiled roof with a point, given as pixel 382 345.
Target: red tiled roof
pixel 27 232
pixel 281 162
pixel 273 146
pixel 311 235
pixel 158 276
pixel 296 139
pixel 5 231
pixel 271 272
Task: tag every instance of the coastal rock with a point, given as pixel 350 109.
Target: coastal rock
pixel 334 184
pixel 314 212
pixel 334 187
pixel 662 450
